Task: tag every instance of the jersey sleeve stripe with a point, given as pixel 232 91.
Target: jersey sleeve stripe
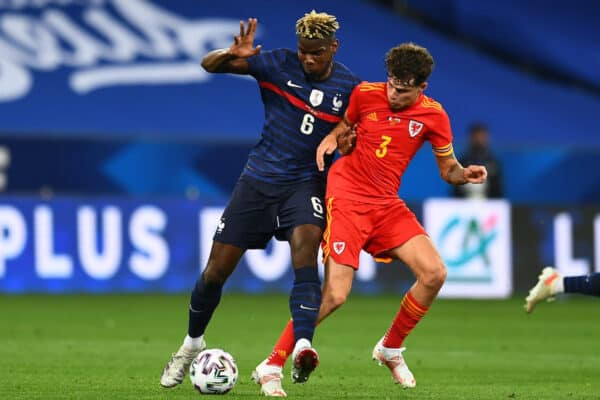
pixel 443 151
pixel 368 87
pixel 300 104
pixel 430 103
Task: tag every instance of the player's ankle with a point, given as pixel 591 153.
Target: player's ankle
pixel 193 344
pixel 276 358
pixel 558 286
pixel 302 343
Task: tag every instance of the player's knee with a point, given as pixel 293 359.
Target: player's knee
pixel 214 274
pixel 334 299
pixel 304 245
pixel 305 256
pixel 434 276
pixel 305 253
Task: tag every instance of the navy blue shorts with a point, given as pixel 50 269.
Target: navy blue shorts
pixel 257 211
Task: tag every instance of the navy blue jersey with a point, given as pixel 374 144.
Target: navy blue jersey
pixel 299 113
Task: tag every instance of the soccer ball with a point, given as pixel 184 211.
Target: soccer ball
pixel 213 371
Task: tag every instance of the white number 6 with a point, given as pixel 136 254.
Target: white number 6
pixel 307 124
pixel 317 205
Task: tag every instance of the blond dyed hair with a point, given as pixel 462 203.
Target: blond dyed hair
pixel 316 25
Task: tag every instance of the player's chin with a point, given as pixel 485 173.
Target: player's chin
pixel 397 105
pixel 314 71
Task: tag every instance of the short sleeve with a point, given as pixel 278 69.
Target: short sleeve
pixel 440 134
pixel 353 111
pixel 266 64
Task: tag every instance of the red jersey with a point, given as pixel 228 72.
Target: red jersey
pixel 386 141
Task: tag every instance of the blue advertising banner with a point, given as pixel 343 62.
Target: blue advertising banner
pixel 129 244
pixel 97 245
pixel 112 244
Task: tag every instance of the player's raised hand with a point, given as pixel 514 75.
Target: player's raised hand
pixel 243 45
pixel 327 146
pixel 475 174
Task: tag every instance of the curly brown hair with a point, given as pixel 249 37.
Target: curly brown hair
pixel 409 63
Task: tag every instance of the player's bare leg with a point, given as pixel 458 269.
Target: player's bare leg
pixel 420 255
pixel 337 287
pixel 423 259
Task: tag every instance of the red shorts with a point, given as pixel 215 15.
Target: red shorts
pixel 376 228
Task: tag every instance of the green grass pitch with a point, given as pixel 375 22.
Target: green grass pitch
pixel 114 347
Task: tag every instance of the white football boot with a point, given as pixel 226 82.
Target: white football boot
pixel 305 360
pixel 269 378
pixel 179 364
pixel 550 282
pixel 392 358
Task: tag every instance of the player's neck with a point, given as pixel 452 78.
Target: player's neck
pixel 324 76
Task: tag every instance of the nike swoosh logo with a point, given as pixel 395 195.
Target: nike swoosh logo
pixel 292 84
pixel 302 306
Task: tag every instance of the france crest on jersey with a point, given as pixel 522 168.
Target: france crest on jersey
pixel 299 113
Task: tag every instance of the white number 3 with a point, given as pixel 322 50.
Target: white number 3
pixel 307 124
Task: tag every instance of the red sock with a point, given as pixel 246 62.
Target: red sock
pixel 284 346
pixel 408 316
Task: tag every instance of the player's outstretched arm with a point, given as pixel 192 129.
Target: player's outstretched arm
pixel 455 174
pixel 330 142
pixel 233 60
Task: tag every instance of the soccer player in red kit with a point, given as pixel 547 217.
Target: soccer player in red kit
pixel 393 120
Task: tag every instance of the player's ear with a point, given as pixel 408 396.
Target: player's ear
pixel 335 44
pixel 423 86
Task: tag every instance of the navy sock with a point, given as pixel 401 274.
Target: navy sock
pixel 585 284
pixel 205 298
pixel 305 301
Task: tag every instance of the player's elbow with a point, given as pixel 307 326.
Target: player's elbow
pixel 206 65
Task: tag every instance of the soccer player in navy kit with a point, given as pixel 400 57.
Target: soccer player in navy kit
pixel 280 191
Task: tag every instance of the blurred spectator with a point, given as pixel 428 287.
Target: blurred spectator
pixel 479 153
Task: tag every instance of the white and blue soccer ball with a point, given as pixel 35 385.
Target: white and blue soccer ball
pixel 213 371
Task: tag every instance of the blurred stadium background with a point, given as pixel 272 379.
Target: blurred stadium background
pixel 110 130
pixel 118 152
